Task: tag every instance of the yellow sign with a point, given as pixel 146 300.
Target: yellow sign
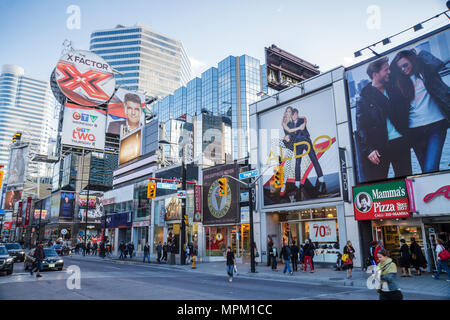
pixel 1 177
pixel 195 227
pixel 176 229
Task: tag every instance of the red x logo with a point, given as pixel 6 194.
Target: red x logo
pixel 88 81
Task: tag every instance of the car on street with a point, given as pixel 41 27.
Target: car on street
pixel 6 261
pixel 52 260
pixel 16 251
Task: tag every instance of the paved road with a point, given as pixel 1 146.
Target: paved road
pixel 107 280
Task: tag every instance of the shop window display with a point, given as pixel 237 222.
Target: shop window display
pixel 158 236
pixel 216 241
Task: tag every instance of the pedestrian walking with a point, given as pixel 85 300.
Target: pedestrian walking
pixel 348 257
pixel 377 248
pixel 286 255
pixel 442 258
pixel 388 289
pixel 130 248
pixel 230 263
pixel 301 256
pixel 39 256
pixel 255 252
pixel 159 251
pixel 308 251
pixel 274 258
pixel 417 258
pixel 188 254
pixel 88 248
pixel 146 252
pixel 94 248
pixel 405 259
pixel 102 249
pixel 165 250
pixel 122 250
pixel 269 250
pixel 294 254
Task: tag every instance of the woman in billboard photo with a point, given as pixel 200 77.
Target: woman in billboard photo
pixel 381 126
pixel 417 78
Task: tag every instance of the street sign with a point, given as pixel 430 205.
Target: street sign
pixel 248 174
pixel 181 194
pixel 63 231
pixel 163 185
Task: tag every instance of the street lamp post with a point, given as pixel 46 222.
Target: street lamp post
pixel 183 211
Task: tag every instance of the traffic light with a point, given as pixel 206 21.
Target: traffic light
pixel 151 190
pixel 1 177
pixel 223 187
pixel 17 136
pixel 278 176
pixel 185 220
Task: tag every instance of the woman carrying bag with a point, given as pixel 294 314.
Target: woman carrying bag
pixel 347 258
pixel 388 289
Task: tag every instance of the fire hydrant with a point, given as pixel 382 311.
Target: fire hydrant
pixel 193 261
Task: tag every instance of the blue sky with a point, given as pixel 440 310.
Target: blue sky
pixel 323 32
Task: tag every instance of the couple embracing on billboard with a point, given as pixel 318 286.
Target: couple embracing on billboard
pixel 406 105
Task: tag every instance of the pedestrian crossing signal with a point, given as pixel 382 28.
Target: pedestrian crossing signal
pixel 151 190
pixel 278 176
pixel 223 187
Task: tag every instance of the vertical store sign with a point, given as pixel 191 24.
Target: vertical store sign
pixel 344 177
pixel 27 212
pixel 198 203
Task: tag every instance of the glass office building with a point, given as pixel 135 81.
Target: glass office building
pixel 149 61
pixel 26 105
pixel 224 91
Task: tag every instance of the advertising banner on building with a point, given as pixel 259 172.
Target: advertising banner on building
pixel 42 214
pixel 172 209
pixel 83 127
pixel 27 212
pixel 302 135
pixel 381 201
pixel 67 205
pixel 130 147
pixel 432 195
pixel 126 108
pixel 12 197
pixel 95 210
pixel 55 204
pixel 197 203
pixel 17 166
pixel 399 106
pixel 85 78
pixel 220 209
pixel 322 231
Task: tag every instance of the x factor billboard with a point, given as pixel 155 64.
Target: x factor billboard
pixel 83 127
pixel 85 78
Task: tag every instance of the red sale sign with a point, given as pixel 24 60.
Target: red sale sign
pixel 323 231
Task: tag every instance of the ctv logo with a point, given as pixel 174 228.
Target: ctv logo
pixel 84 117
pixel 83 134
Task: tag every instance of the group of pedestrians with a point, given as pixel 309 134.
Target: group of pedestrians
pixel 293 254
pixel 126 249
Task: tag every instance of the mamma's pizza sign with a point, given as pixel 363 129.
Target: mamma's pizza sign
pixel 381 201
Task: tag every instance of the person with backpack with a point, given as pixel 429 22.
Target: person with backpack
pixel 405 258
pixel 442 258
pixel 308 251
pixel 286 255
pixel 230 262
pixel 388 289
pixel 348 257
pixel 294 255
pixel 274 258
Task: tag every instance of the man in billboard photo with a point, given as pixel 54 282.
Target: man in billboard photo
pixel 428 97
pixel 133 111
pixel 296 132
pixel 381 126
pixel 66 207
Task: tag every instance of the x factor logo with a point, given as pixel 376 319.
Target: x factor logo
pixel 88 81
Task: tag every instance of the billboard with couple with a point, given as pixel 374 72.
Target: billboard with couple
pixel 400 109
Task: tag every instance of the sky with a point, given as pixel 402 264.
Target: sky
pixel 326 32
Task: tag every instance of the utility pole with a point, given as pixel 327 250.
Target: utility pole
pixel 183 210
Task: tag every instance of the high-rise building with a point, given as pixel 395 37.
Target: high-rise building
pixel 26 106
pixel 149 61
pixel 224 92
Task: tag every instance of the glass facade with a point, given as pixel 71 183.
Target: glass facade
pixel 194 97
pixel 209 91
pixel 179 102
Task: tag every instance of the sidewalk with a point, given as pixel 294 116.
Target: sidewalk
pixel 322 275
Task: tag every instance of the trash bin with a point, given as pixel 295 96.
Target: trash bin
pixel 172 258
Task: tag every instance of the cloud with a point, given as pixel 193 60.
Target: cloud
pixel 197 67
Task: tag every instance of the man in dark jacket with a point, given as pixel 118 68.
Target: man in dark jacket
pixel 39 255
pixel 309 254
pixel 159 251
pixel 286 255
pixel 121 250
pixel 165 250
pixel 381 126
pixel 130 248
pixel 269 250
pixel 147 252
pixel 294 255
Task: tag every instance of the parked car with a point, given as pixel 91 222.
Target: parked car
pixel 52 260
pixel 15 250
pixel 6 261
